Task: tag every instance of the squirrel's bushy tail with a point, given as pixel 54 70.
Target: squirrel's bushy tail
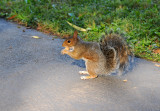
pixel 115 50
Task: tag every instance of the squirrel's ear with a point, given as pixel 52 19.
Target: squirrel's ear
pixel 75 34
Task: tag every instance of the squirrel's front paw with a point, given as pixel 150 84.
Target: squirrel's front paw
pixel 83 72
pixel 63 51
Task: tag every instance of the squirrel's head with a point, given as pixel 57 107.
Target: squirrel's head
pixel 71 41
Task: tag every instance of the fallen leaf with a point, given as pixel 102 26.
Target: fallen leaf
pixel 76 27
pixel 125 80
pixel 39 27
pixel 47 32
pixel 35 37
pixel 10 18
pixel 156 51
pixel 157 65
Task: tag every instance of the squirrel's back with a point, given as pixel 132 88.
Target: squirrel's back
pixel 115 50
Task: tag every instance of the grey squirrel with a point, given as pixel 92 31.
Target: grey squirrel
pixel 109 54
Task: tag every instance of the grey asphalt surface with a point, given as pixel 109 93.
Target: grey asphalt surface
pixel 34 76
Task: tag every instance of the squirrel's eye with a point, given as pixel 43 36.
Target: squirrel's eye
pixel 69 41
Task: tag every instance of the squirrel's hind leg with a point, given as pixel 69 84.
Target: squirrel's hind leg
pixel 88 77
pixel 83 72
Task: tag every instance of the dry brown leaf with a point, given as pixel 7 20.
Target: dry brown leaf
pixel 10 18
pixel 156 51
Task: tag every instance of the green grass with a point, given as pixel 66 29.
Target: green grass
pixel 138 20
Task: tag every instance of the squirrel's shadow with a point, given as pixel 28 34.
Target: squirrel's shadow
pixel 132 64
pixel 130 67
pixel 79 63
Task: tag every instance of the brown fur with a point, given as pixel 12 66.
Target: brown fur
pixel 100 58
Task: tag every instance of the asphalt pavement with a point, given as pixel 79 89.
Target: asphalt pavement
pixel 34 76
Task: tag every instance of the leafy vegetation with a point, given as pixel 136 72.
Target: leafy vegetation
pixel 138 20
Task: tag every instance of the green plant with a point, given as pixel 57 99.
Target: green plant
pixel 138 20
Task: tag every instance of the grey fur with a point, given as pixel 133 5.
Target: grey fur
pixel 115 50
